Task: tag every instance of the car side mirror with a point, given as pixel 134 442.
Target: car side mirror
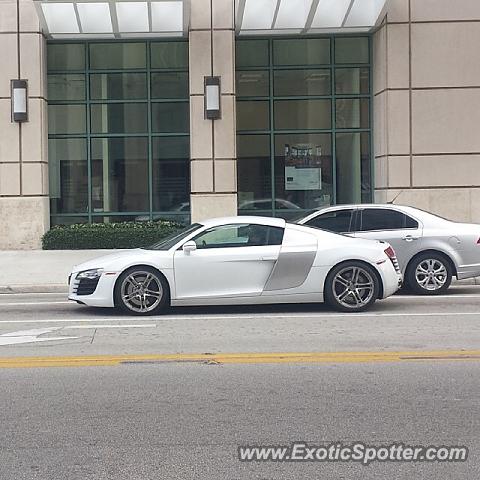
pixel 189 247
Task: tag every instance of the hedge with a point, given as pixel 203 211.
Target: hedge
pixel 107 235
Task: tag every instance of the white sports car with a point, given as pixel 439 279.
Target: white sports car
pixel 240 260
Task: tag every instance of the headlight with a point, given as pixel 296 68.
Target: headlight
pixel 92 274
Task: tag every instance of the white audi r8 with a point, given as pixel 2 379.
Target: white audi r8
pixel 240 260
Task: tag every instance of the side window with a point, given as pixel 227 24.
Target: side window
pixel 239 235
pixel 382 219
pixel 338 221
pixel 410 222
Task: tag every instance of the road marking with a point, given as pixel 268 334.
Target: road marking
pixel 24 304
pixel 242 358
pixel 30 336
pixel 73 327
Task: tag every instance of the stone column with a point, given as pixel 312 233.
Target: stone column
pixel 24 205
pixel 213 142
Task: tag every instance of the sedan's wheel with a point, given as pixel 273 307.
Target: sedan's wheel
pixel 141 291
pixel 351 287
pixel 429 274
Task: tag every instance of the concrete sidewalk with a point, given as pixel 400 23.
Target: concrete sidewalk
pixel 36 271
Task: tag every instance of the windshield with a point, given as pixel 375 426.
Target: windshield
pixel 168 242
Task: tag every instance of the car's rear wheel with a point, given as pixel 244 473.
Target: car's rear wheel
pixel 429 274
pixel 351 287
pixel 141 291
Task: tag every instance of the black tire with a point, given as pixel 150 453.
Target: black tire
pixel 437 276
pixel 150 296
pixel 341 278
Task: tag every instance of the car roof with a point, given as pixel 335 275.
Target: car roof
pixel 270 221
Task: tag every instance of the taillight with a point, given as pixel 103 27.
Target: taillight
pixel 390 252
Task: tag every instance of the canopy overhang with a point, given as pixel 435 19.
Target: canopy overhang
pixel 267 17
pixel 113 18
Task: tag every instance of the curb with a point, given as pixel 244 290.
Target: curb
pixel 52 288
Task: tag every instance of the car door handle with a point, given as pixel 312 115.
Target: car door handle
pixel 410 238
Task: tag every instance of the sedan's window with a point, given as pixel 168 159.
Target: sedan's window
pixel 382 219
pixel 410 222
pixel 338 221
pixel 239 235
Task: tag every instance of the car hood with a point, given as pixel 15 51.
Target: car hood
pixel 120 260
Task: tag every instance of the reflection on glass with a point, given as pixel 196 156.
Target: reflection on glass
pixel 120 174
pixel 170 85
pixel 119 118
pixel 353 168
pixel 66 87
pixel 252 83
pixel 302 82
pixel 351 50
pixel 171 176
pixel 303 171
pixel 352 113
pixel 59 220
pixel 68 174
pixel 254 174
pixel 302 114
pixel 170 117
pixel 251 53
pixel 118 86
pixel 169 55
pixel 253 115
pixel 67 56
pixel 64 119
pixel 351 81
pixel 105 56
pixel 302 51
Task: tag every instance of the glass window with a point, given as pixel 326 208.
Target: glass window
pixel 339 221
pixel 66 56
pixel 169 55
pixel 302 51
pixel 252 83
pixel 303 170
pixel 301 82
pixel 66 87
pixel 118 86
pixel 119 118
pixel 69 220
pixel 64 119
pixel 118 55
pixel 352 81
pixel 170 85
pixel 251 53
pixel 68 172
pixel 302 114
pixel 381 219
pixel 171 117
pixel 120 174
pixel 170 241
pixel 171 176
pixel 410 222
pixel 253 115
pixel 352 113
pixel 351 50
pixel 239 235
pixel 353 168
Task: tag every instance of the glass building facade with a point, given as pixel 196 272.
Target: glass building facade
pixel 303 123
pixel 118 131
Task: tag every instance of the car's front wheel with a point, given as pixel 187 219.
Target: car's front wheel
pixel 351 287
pixel 429 274
pixel 141 290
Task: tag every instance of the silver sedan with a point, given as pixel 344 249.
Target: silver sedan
pixel 430 249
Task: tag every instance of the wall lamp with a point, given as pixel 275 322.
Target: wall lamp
pixel 212 98
pixel 19 100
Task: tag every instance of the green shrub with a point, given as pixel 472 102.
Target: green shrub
pixel 107 235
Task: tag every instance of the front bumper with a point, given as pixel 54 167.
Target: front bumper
pixel 98 295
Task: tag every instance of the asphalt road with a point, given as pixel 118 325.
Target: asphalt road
pixel 182 419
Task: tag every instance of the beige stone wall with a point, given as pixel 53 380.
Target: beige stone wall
pixel 427 106
pixel 213 143
pixel 24 206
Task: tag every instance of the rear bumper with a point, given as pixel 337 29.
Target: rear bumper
pixel 392 280
pixel 468 271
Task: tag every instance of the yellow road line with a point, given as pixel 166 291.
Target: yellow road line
pixel 241 358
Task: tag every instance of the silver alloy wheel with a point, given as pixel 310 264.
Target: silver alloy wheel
pixel 353 287
pixel 431 274
pixel 141 291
